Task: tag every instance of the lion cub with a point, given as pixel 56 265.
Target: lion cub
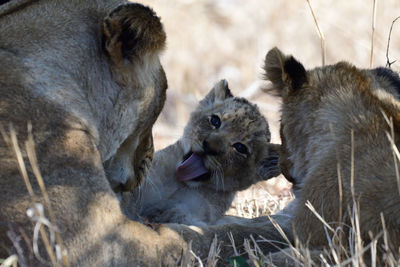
pixel 225 148
pixel 337 127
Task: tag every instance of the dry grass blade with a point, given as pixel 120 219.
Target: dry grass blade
pixel 230 235
pixel 333 249
pixel 188 257
pixel 339 175
pixel 357 226
pixel 12 141
pixel 396 157
pixel 371 59
pixel 359 254
pixel 10 261
pixel 21 166
pixel 391 259
pixel 385 237
pixel 280 230
pixel 197 258
pixel 30 148
pixel 297 257
pixel 252 257
pixel 373 249
pixel 215 249
pixel 352 166
pixel 321 34
pixel 257 248
pixel 311 207
pixel 396 153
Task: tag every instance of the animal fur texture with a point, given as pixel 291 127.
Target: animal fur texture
pixel 336 148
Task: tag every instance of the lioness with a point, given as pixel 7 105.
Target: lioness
pixel 224 148
pixel 86 76
pixel 337 150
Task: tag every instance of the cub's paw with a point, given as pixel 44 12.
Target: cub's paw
pixel 268 166
pixel 131 31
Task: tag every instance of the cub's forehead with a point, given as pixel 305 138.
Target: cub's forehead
pixel 240 108
pixel 243 116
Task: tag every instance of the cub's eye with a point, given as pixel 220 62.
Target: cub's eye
pixel 240 148
pixel 215 121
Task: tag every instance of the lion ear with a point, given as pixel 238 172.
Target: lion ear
pixel 285 72
pixel 131 31
pixel 220 92
pixel 268 165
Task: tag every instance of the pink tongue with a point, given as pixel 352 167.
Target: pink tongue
pixel 191 168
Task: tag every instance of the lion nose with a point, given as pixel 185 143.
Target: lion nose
pixel 213 146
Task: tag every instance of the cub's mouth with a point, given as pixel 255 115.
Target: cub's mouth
pixel 192 168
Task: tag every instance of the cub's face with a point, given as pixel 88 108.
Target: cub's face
pixel 227 144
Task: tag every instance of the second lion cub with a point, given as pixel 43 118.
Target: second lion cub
pixel 225 148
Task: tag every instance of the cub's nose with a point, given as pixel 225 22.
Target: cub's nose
pixel 213 146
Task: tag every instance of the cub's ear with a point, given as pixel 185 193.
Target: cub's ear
pixel 220 91
pixel 268 166
pixel 285 72
pixel 131 31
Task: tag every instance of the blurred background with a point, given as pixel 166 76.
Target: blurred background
pixel 209 40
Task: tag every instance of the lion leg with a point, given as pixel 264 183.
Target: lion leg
pixel 232 230
pixel 86 211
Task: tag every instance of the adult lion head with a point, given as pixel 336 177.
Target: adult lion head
pixel 86 76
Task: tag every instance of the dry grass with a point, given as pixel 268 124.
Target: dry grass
pixel 261 200
pixel 49 235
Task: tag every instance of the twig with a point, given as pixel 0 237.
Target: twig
pixel 371 60
pixel 388 63
pixel 321 34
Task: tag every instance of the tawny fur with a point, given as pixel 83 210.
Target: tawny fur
pixel 321 109
pixel 162 198
pixel 92 97
pixel 86 76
